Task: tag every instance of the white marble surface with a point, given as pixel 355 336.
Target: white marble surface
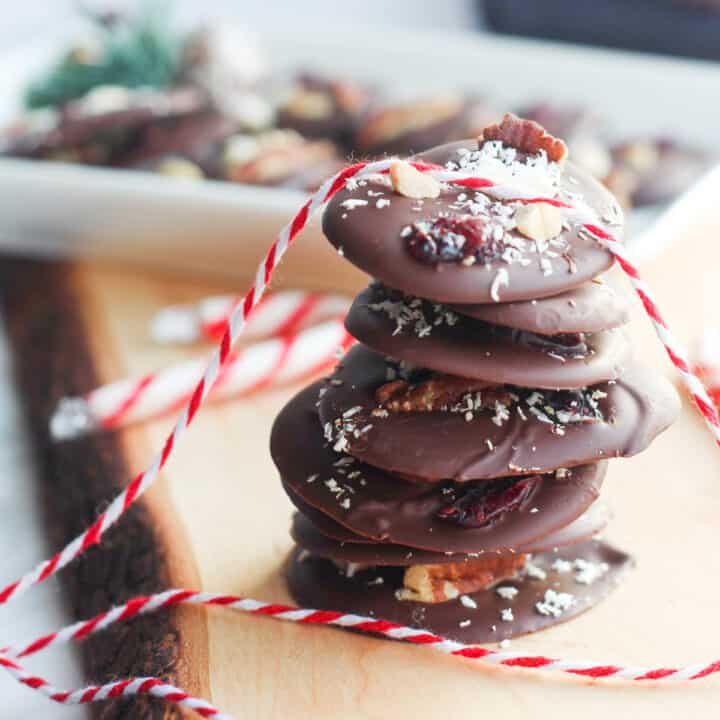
pixel 22 544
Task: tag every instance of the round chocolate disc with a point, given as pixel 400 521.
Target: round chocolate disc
pixel 432 336
pixel 374 228
pixel 591 307
pixel 550 597
pixel 385 508
pixel 515 437
pixel 310 537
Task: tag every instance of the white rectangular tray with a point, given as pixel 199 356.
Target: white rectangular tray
pixel 175 224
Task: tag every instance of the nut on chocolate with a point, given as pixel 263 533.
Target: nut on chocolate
pixel 439 583
pixel 527 136
pixel 434 394
pixel 411 183
pixel 539 221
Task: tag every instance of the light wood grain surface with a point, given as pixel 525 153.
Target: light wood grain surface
pixel 227 519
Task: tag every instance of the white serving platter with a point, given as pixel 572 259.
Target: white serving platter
pixel 194 226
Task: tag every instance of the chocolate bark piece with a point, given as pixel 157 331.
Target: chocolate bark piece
pixel 537 604
pixel 409 126
pixel 535 433
pixel 195 137
pixel 324 108
pixel 591 307
pixel 656 170
pixel 276 158
pixel 386 508
pixel 375 232
pixel 356 549
pixel 432 336
pixel 108 116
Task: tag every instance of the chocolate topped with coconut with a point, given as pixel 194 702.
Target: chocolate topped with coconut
pixel 455 244
pixel 447 473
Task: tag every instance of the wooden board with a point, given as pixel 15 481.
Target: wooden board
pixel 217 520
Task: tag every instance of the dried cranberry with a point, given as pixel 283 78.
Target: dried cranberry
pixel 453 239
pixel 565 344
pixel 486 502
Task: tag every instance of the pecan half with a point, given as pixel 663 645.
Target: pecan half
pixel 527 136
pixel 438 583
pixel 437 394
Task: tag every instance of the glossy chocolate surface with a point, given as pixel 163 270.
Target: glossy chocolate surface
pixel 460 345
pixel 441 445
pixel 382 507
pixel 591 307
pixel 356 549
pixel 318 583
pixel 370 238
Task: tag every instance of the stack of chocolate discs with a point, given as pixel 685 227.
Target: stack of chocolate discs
pixel 447 474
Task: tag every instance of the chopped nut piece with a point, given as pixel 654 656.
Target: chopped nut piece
pixel 436 394
pixel 438 583
pixel 525 135
pixel 539 221
pixel 411 183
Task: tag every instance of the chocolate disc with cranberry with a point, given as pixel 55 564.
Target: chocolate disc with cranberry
pixel 447 517
pixel 591 307
pixel 310 537
pixel 440 427
pixel 464 246
pixel 550 597
pixel 433 336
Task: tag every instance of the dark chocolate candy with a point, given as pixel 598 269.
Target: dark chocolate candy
pixel 442 444
pixel 195 137
pixel 385 508
pixel 656 170
pixel 81 122
pixel 591 307
pixel 371 238
pixel 405 127
pixel 318 583
pixel 322 108
pixel 358 550
pixel 464 346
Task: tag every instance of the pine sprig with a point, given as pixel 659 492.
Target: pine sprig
pixel 135 51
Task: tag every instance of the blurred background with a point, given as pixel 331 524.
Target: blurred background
pixel 683 27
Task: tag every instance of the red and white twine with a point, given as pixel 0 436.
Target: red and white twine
pixel 9 658
pixel 280 360
pixel 236 323
pixel 276 315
